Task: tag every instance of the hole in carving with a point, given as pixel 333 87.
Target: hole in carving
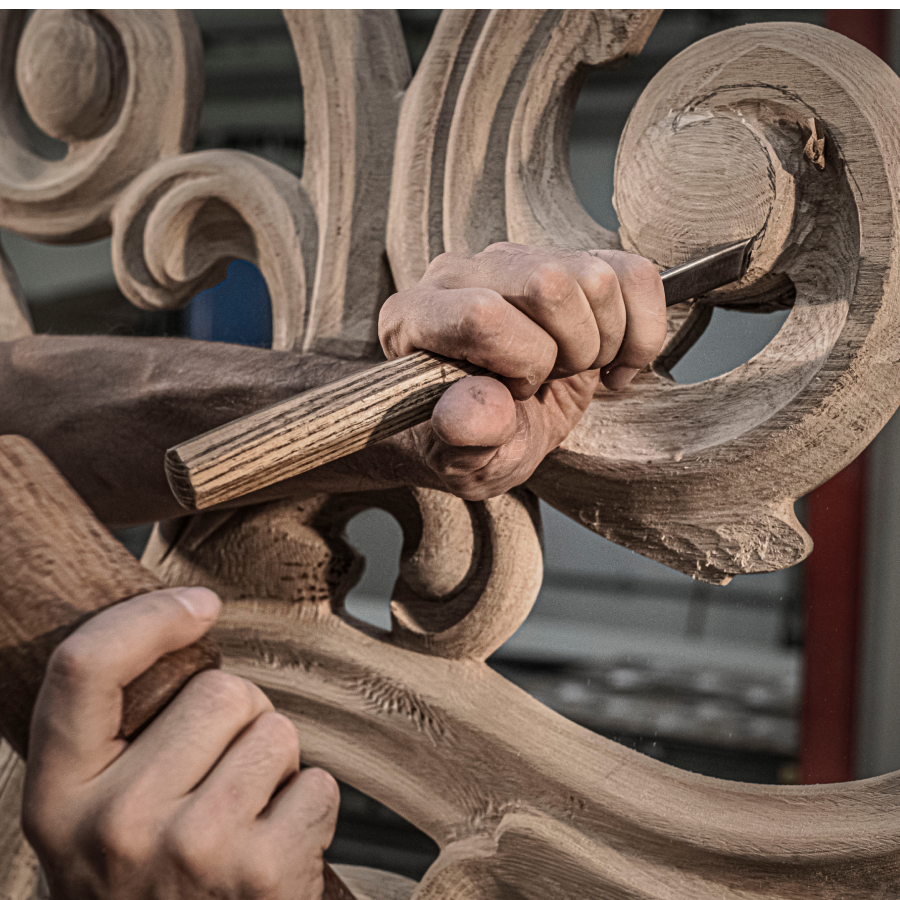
pixel 236 311
pixel 700 676
pixel 731 339
pixel 378 537
pixel 72 290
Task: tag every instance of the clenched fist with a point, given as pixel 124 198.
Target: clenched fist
pixel 549 323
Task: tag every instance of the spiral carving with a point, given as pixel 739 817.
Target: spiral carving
pixel 704 477
pixel 181 223
pixel 121 87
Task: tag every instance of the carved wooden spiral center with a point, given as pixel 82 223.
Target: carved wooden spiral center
pixel 691 179
pixel 68 91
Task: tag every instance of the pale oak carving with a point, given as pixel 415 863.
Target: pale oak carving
pixel 523 803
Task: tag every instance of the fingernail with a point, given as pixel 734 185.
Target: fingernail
pixel 200 602
pixel 618 377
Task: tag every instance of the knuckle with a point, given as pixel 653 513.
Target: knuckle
pixel 322 787
pixel 193 845
pixel 550 282
pixel 40 826
pixel 639 276
pixel 262 873
pixel 74 660
pixel 503 247
pixel 123 833
pixel 389 327
pixel 478 317
pixel 444 266
pixel 279 732
pixel 228 693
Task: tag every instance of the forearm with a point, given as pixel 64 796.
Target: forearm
pixel 105 410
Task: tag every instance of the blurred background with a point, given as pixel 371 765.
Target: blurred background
pixel 774 678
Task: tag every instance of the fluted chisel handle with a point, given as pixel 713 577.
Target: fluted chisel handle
pixel 310 429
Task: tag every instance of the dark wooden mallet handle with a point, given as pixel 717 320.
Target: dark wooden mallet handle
pixel 58 567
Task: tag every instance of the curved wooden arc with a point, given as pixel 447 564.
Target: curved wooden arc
pixel 416 219
pixel 116 123
pixel 469 572
pixel 354 69
pixel 178 226
pixel 541 205
pixel 704 477
pixel 525 803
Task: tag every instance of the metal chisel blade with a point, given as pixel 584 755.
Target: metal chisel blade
pixel 706 273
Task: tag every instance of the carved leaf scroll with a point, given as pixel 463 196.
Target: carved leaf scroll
pixel 523 803
pixel 704 477
pixel 700 477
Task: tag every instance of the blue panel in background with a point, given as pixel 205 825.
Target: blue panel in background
pixel 235 311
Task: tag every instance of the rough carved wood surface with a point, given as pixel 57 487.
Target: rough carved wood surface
pixel 523 803
pixel 700 477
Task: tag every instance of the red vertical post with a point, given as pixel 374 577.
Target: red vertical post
pixel 833 584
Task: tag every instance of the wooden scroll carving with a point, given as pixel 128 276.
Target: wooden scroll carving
pixel 700 477
pixel 524 804
pixel 704 477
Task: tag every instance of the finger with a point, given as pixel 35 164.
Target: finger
pixel 242 783
pixel 476 324
pixel 78 711
pixel 475 412
pixel 542 422
pixel 182 745
pixel 645 312
pixel 548 286
pixel 304 810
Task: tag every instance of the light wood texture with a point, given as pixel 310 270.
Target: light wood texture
pixel 135 99
pixel 354 68
pixel 522 802
pixel 179 224
pixel 704 477
pixel 701 477
pixel 310 430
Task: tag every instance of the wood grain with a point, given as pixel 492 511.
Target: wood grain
pixel 58 566
pixel 703 477
pixel 310 430
pixel 522 802
pixel 354 68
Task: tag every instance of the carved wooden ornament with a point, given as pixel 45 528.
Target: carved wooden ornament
pixel 725 143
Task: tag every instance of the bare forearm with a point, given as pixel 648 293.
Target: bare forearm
pixel 105 409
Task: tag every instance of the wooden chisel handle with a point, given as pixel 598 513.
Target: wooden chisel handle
pixel 58 567
pixel 311 429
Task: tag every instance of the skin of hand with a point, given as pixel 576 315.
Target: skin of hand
pixel 208 801
pixel 550 323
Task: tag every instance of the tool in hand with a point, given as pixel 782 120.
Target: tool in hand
pixel 340 418
pixel 59 567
